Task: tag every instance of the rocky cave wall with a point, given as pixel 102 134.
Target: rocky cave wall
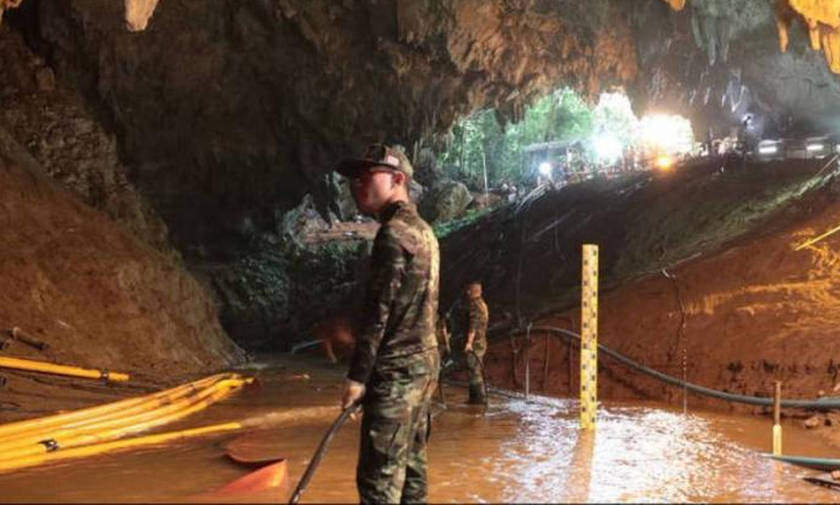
pixel 69 141
pixel 718 61
pixel 225 113
pixel 227 109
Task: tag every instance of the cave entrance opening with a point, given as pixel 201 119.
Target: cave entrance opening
pixel 561 138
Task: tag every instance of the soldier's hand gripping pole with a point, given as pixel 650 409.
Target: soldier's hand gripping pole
pixel 322 449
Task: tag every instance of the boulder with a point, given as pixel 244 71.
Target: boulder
pixel 445 201
pixel 301 220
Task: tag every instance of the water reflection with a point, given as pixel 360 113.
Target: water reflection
pixel 638 454
pixel 577 484
pixel 512 452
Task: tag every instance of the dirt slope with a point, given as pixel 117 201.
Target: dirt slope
pixel 755 309
pixel 75 279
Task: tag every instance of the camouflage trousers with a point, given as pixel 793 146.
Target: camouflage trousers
pixel 395 429
pixel 475 367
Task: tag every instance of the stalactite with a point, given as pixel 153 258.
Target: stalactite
pixel 138 12
pixel 7 4
pixel 784 38
pixel 823 20
pixel 823 11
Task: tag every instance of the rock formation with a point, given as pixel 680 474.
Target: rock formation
pixel 224 114
pixel 138 12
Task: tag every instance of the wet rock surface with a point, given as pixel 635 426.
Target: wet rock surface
pixel 279 288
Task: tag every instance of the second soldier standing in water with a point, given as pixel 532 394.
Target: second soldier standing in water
pixel 476 345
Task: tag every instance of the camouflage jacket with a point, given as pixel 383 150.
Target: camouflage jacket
pixel 477 320
pixel 399 311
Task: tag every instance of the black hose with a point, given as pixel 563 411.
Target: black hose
pixel 574 338
pixel 319 453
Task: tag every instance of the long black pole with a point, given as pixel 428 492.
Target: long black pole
pixel 319 453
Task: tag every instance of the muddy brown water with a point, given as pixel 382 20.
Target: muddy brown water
pixel 512 452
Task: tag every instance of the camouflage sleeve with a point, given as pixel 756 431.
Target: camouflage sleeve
pixel 387 264
pixel 476 316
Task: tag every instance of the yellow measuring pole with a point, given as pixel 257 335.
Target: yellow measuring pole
pixel 777 420
pixel 589 337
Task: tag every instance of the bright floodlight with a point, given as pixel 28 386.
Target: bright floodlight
pixel 815 147
pixel 666 133
pixel 545 168
pixel 607 147
pixel 664 162
pixel 771 149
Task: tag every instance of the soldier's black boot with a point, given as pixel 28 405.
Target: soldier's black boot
pixel 482 398
pixel 476 395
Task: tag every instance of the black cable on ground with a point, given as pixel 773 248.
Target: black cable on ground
pixel 574 338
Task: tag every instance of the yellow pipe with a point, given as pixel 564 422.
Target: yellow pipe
pixel 40 366
pixel 91 450
pixel 157 407
pixel 117 428
pixel 43 423
pixel 147 404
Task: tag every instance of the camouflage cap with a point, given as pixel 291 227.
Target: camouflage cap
pixel 377 155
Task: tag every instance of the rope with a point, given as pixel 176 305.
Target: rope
pixel 574 338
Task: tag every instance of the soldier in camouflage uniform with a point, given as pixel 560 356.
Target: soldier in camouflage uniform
pixel 476 341
pixel 395 363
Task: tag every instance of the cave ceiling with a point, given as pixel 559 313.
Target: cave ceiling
pixel 227 107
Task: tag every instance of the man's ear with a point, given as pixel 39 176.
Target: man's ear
pixel 398 178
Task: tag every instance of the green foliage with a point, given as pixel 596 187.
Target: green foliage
pixel 598 133
pixel 471 216
pixel 614 116
pixel 480 139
